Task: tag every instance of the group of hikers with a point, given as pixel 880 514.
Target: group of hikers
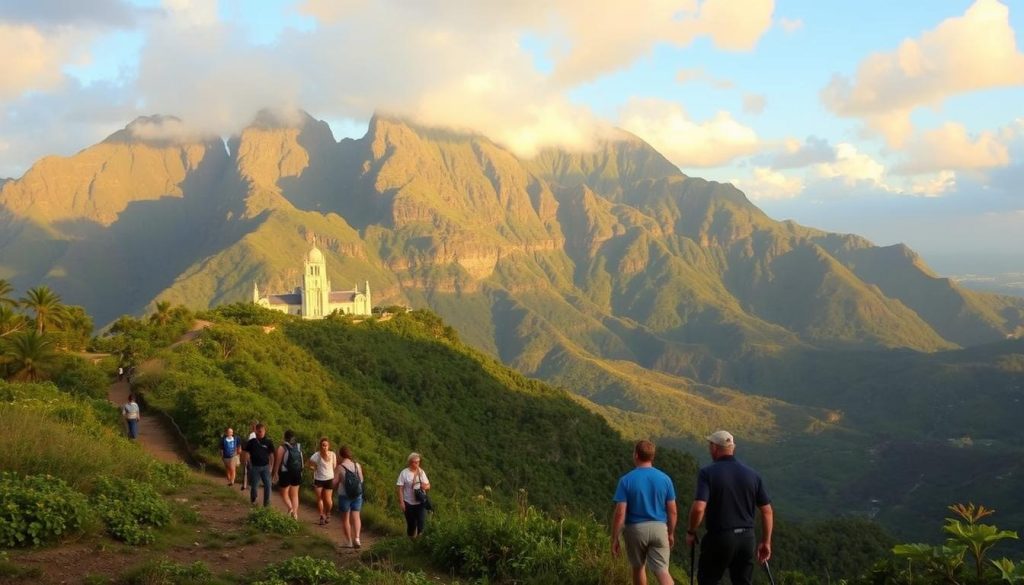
pixel 727 498
pixel 333 472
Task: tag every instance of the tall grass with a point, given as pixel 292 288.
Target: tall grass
pixel 48 432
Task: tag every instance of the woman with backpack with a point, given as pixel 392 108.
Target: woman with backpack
pixel 349 476
pixel 290 472
pixel 323 463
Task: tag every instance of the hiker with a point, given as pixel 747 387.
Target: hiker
pixel 259 451
pixel 413 486
pixel 645 515
pixel 323 463
pixel 131 414
pixel 120 373
pixel 245 456
pixel 348 481
pixel 288 475
pixel 229 454
pixel 728 495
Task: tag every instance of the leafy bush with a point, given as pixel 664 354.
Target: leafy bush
pixel 303 571
pixel 487 542
pixel 165 572
pixel 130 508
pixel 272 521
pixel 38 509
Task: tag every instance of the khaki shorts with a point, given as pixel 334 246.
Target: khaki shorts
pixel 231 462
pixel 647 542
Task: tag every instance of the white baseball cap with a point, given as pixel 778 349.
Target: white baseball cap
pixel 722 439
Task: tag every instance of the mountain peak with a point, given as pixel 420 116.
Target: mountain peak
pixel 158 131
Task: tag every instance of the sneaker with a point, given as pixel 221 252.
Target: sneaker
pixel 321 520
pixel 357 544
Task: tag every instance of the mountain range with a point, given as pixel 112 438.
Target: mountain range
pixel 669 304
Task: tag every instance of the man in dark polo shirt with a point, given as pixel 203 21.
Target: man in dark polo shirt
pixel 260 451
pixel 728 495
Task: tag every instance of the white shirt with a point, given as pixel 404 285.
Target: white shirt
pixel 409 482
pixel 324 468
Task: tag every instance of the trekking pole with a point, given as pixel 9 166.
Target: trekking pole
pixel 768 570
pixel 693 562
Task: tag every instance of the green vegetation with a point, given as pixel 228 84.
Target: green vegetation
pixel 130 509
pixel 38 510
pixel 268 520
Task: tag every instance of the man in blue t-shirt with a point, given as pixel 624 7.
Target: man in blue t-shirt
pixel 728 496
pixel 645 514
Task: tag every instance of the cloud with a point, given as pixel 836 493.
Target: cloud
pixel 44 13
pixel 852 167
pixel 950 147
pixel 769 184
pixel 793 154
pixel 31 59
pixel 975 51
pixel 754 103
pixel 699 74
pixel 666 126
pixel 191 12
pixel 791 25
pixel 934 185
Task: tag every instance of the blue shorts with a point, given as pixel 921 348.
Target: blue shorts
pixel 347 504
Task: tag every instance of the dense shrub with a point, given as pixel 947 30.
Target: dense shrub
pixel 38 509
pixel 130 509
pixel 272 521
pixel 303 571
pixel 488 542
pixel 165 572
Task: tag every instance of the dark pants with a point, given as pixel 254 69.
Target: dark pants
pixel 415 519
pixel 719 551
pixel 133 428
pixel 258 473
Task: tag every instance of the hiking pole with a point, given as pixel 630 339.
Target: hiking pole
pixel 768 570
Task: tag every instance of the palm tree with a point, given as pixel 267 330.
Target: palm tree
pixel 5 295
pixel 45 304
pixel 29 356
pixel 162 314
pixel 10 322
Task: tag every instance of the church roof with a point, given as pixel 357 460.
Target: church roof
pixel 342 296
pixel 285 299
pixel 315 256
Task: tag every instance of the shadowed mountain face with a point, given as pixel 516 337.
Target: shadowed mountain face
pixel 668 303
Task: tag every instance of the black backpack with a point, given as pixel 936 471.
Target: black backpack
pixel 353 487
pixel 294 463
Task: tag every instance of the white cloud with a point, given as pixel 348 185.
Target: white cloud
pixel 699 74
pixel 768 184
pixel 950 147
pixel 791 25
pixel 853 167
pixel 793 154
pixel 975 51
pixel 189 13
pixel 31 58
pixel 685 142
pixel 934 185
pixel 754 103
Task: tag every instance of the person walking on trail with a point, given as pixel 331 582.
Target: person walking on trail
pixel 130 412
pixel 289 454
pixel 245 456
pixel 348 482
pixel 323 463
pixel 229 454
pixel 260 453
pixel 645 515
pixel 120 373
pixel 728 495
pixel 412 486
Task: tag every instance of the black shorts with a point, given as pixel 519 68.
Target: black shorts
pixel 290 478
pixel 327 484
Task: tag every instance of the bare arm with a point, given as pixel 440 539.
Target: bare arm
pixel 401 500
pixel 618 521
pixel 764 550
pixel 696 517
pixel 672 511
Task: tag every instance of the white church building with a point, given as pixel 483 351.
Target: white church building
pixel 315 299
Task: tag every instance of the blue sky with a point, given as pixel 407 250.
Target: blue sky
pixel 900 121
